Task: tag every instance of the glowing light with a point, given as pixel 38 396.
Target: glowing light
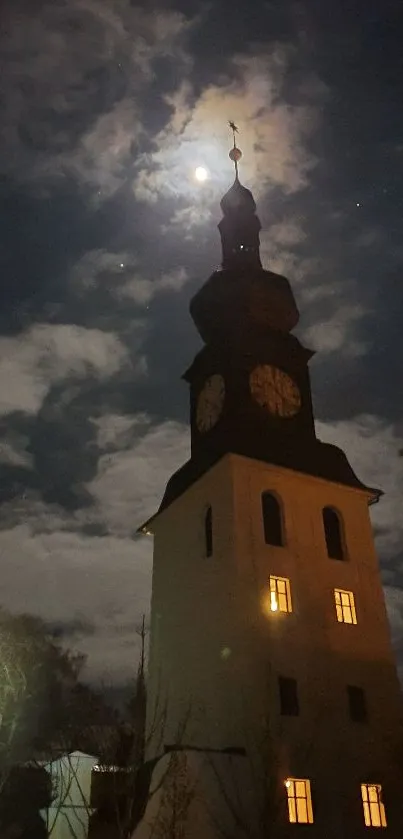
pixel 201 174
pixel 122 265
pixel 288 784
pixel 273 601
pixel 106 768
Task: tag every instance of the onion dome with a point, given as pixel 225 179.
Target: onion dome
pixel 238 199
pixel 239 229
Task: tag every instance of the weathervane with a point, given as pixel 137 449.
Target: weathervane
pixel 235 154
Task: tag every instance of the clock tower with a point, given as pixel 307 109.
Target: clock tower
pixel 273 700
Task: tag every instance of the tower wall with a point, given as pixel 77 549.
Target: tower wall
pixel 192 617
pixel 217 650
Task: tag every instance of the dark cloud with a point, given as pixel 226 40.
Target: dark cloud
pixel 73 78
pixel 60 630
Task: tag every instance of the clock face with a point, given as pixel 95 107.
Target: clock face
pixel 275 390
pixel 210 402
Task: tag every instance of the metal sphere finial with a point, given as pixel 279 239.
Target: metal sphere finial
pixel 235 154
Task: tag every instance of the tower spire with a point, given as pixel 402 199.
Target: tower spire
pixel 239 229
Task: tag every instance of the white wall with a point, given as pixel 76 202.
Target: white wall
pixel 68 818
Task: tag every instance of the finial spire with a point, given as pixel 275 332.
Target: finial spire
pixel 239 229
pixel 235 153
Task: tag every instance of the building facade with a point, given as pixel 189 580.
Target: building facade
pixel 273 689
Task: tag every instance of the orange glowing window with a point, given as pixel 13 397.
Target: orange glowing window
pixel 345 606
pixel 374 809
pixel 280 595
pixel 299 801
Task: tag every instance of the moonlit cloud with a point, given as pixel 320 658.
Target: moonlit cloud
pixel 96 265
pixel 280 253
pixel 81 54
pixel 121 275
pixel 104 154
pixel 336 333
pixel 115 432
pixel 188 221
pixel 13 452
pixel 289 232
pixel 45 551
pixel 273 137
pixel 57 574
pixel 331 309
pixel 127 502
pixel 142 290
pixel 31 362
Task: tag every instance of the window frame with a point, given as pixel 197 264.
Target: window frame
pixel 357 704
pixel 208 531
pixel 340 555
pixel 293 799
pixel 373 805
pixel 281 541
pixel 342 607
pixel 288 696
pixel 281 597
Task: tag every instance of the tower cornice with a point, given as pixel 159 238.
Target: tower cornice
pixel 191 472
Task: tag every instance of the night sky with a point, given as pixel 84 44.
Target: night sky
pixel 107 107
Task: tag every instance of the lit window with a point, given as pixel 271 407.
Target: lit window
pixel 345 606
pixel 208 531
pixel 299 800
pixel 272 520
pixel 374 809
pixel 280 595
pixel 333 533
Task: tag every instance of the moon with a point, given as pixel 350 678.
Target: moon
pixel 201 174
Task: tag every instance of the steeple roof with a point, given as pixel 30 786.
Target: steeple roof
pixel 237 200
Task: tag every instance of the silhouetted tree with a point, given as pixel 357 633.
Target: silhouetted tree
pixel 44 710
pixel 120 794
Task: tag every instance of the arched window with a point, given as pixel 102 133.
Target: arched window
pixel 333 533
pixel 272 519
pixel 208 531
